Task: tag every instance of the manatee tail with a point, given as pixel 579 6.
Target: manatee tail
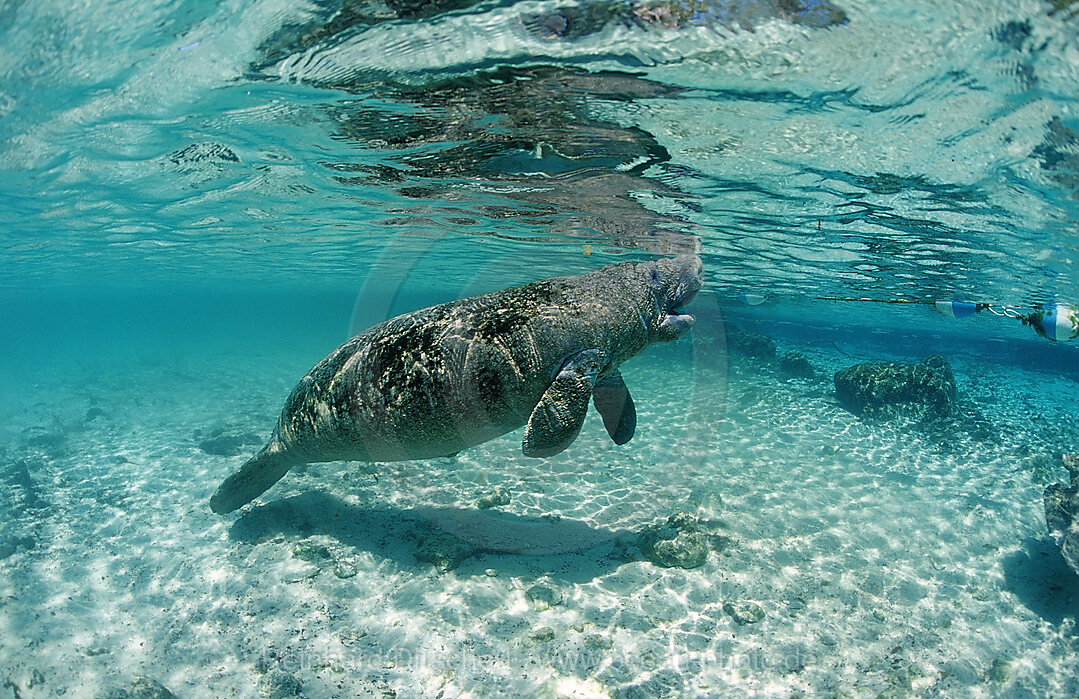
pixel 254 478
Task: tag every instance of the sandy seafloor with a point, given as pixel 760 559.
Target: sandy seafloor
pixel 887 560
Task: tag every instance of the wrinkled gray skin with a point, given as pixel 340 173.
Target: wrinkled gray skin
pixel 442 379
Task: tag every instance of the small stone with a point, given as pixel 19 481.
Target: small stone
pixel 598 642
pixel 1002 671
pixel 147 688
pixel 744 612
pixel 344 569
pixel 491 573
pixel 664 683
pixel 542 635
pixel 498 497
pixel 902 679
pixel 677 543
pixel 311 552
pixel 543 597
pixel 278 684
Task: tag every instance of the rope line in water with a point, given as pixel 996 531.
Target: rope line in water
pixel 1053 321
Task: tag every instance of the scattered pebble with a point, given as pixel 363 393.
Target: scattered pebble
pixel 543 597
pixel 142 688
pixel 311 552
pixel 744 612
pixel 677 543
pixel 598 642
pixel 344 569
pixel 498 497
pixel 278 684
pixel 1002 671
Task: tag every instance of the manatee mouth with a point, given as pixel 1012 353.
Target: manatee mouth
pixel 679 305
pixel 690 284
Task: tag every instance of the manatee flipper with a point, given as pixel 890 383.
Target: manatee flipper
pixel 253 479
pixel 615 406
pixel 556 420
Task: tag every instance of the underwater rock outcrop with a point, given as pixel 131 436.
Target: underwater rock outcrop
pixel 750 344
pixel 925 390
pixel 1062 512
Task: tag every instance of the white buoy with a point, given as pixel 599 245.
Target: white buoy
pixel 956 309
pixel 1060 321
pixel 751 299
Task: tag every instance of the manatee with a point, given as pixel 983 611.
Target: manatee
pixel 439 380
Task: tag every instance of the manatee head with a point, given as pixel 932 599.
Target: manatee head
pixel 670 284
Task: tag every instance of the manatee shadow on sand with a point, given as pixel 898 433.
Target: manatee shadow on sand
pixel 1043 582
pixel 513 544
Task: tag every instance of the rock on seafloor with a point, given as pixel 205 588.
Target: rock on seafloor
pixel 676 543
pixel 141 688
pixel 440 548
pixel 278 684
pixel 496 498
pixel 886 389
pixel 1062 512
pixel 750 344
pixel 543 597
pixel 744 612
pixel 795 365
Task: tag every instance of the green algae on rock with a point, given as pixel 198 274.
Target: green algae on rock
pixel 886 389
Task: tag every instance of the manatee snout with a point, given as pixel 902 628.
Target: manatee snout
pixel 683 283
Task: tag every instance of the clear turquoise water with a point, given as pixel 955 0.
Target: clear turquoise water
pixel 199 200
